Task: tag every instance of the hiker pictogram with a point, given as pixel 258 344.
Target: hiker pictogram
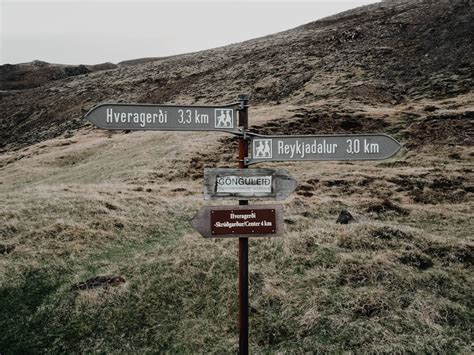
pixel 262 148
pixel 224 118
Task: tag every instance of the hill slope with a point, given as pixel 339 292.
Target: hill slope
pixel 383 54
pixel 96 250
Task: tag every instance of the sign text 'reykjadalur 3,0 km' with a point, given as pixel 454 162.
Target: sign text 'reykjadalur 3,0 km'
pixel 322 147
pixel 165 118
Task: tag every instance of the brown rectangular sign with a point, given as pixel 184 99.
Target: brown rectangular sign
pixel 243 221
pixel 239 221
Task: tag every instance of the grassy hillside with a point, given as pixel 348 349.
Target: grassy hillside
pixel 399 279
pixel 97 253
pixel 387 54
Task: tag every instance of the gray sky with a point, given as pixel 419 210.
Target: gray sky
pixel 90 32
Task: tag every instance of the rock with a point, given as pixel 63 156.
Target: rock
pixel 119 225
pixel 345 217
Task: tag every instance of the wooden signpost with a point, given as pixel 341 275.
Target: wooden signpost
pixel 243 221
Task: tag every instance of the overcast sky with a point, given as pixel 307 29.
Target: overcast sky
pixel 90 32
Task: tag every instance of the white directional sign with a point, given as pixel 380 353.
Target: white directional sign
pixel 165 118
pixel 321 147
pixel 248 183
pixel 235 184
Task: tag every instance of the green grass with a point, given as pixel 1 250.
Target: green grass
pixel 389 283
pixel 303 296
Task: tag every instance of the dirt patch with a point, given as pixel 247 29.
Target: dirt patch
pixel 446 128
pixel 321 121
pixel 387 206
pixel 416 259
pixel 379 93
pixel 387 233
pixel 463 253
pixel 395 164
pixel 110 206
pixel 365 181
pixel 6 249
pixel 336 182
pixel 356 274
pixel 305 190
pixel 428 196
pixel 281 87
pixel 223 156
pixel 99 282
pixel 376 239
pixel 369 309
pixel 197 165
pixel 433 188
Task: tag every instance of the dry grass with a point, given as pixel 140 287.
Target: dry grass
pixel 120 204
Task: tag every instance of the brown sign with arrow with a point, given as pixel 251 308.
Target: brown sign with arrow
pixel 239 221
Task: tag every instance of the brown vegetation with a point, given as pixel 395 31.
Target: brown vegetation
pixel 79 204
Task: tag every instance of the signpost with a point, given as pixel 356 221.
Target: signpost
pixel 243 242
pixel 243 221
pixel 239 221
pixel 165 118
pixel 249 183
pixel 321 147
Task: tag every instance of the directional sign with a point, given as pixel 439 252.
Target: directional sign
pixel 239 221
pixel 248 183
pixel 321 147
pixel 165 118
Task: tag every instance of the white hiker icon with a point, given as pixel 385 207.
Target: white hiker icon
pixel 267 150
pixel 262 148
pixel 259 150
pixel 221 118
pixel 228 119
pixel 224 119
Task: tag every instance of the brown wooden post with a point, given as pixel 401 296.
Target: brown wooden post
pixel 243 242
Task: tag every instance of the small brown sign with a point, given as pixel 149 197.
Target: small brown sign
pixel 243 221
pixel 239 221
